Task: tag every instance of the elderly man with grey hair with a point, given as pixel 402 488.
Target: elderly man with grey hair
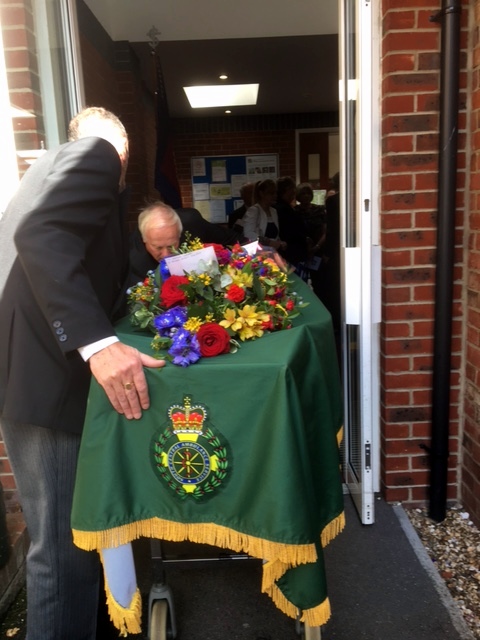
pixel 160 228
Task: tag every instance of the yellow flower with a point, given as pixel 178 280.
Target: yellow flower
pixel 193 324
pixel 240 278
pixel 205 278
pixel 248 323
pixel 231 321
pixel 194 244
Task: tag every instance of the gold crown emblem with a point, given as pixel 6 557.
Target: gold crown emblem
pixel 187 418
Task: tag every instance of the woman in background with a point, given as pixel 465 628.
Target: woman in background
pixel 260 221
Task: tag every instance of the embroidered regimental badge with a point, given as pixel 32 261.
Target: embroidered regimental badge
pixel 188 454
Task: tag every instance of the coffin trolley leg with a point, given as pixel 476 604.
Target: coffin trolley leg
pixel 161 610
pixel 306 632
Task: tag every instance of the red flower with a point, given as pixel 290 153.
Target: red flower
pixel 268 324
pixel 217 247
pixel 235 293
pixel 290 305
pixel 213 340
pixel 222 254
pixel 171 294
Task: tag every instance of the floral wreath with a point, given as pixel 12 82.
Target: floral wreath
pixel 240 294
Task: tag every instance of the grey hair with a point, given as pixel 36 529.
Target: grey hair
pixel 156 215
pixel 87 120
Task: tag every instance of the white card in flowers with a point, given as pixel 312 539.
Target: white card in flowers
pixel 183 263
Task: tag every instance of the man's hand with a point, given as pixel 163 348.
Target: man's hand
pixel 119 370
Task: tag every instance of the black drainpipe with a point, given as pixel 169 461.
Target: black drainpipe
pixel 449 16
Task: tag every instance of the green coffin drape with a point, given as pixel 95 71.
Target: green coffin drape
pixel 238 451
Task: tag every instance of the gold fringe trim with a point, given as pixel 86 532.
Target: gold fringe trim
pixel 280 557
pixel 272 571
pixel 332 529
pixel 203 533
pixel 340 436
pixel 125 620
pixel 317 616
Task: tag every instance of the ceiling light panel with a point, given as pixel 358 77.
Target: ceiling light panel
pixel 225 95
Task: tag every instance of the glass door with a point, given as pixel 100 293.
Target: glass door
pixel 360 252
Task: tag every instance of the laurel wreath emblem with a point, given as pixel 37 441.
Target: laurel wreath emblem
pixel 174 462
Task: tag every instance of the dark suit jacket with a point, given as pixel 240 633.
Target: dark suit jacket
pixel 62 289
pixel 195 223
pixel 292 230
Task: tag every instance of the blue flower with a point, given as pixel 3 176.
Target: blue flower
pixel 164 270
pixel 170 320
pixel 185 348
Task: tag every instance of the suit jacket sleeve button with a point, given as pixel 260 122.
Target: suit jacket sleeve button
pixel 59 331
pixel 63 337
pixel 56 324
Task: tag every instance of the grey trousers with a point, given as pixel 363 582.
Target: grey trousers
pixel 62 580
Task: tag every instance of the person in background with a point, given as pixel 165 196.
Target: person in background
pixel 329 273
pixel 291 226
pixel 314 219
pixel 195 224
pixel 235 218
pixel 313 216
pixel 333 185
pixel 61 295
pixel 260 221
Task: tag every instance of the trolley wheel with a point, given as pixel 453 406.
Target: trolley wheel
pixel 312 633
pixel 159 620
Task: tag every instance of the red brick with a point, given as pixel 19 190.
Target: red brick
pixel 395 62
pixel 397 494
pixel 412 41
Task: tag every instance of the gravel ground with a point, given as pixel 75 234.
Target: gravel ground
pixel 454 547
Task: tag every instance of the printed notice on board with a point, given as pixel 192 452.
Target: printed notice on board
pixel 198 167
pixel 219 170
pixel 262 167
pixel 237 183
pixel 204 207
pixel 220 191
pixel 200 191
pixel 218 211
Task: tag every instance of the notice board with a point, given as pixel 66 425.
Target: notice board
pixel 216 181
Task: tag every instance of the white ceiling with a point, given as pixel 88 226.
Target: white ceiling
pixel 289 46
pixel 215 19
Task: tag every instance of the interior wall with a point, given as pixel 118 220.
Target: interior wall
pixel 187 146
pixel 112 79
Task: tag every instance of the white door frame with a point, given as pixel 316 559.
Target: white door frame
pixel 361 268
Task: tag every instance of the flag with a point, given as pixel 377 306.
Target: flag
pixel 166 181
pixel 211 463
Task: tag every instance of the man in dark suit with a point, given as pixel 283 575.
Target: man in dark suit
pixel 58 301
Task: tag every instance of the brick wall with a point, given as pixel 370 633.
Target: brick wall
pixel 22 70
pixel 21 62
pixel 471 435
pixel 409 129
